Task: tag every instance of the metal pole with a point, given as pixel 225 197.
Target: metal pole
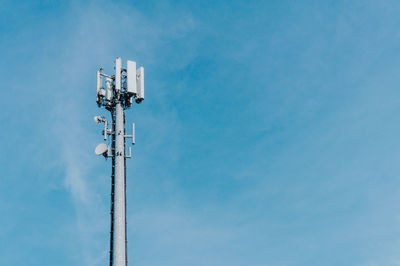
pixel 119 234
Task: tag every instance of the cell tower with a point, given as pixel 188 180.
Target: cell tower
pixel 121 89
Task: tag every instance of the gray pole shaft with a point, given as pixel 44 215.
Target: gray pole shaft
pixel 119 235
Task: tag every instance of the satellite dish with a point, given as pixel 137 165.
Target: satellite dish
pixel 101 149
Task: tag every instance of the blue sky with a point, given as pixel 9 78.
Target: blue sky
pixel 268 136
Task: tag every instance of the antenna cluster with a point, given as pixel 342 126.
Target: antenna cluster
pixel 125 86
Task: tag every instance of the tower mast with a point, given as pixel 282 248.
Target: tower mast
pixel 121 89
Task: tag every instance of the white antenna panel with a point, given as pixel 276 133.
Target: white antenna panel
pixel 118 74
pixel 98 86
pixel 131 77
pixel 140 84
pixel 109 92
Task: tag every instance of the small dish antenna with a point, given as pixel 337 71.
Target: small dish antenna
pixel 101 149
